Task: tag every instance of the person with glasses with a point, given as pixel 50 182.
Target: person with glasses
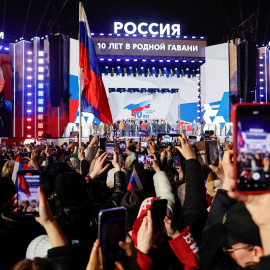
pixel 231 239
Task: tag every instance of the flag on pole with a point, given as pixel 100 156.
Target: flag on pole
pixel 134 182
pixel 93 97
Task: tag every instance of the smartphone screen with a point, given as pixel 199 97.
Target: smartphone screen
pixel 111 230
pixel 167 139
pixel 176 161
pixel 109 149
pixel 24 156
pixel 146 160
pixel 70 141
pixel 252 148
pixel 64 146
pixel 192 139
pixel 28 199
pixel 213 153
pixel 144 144
pixel 103 143
pixel 141 159
pixel 73 133
pixel 158 212
pixel 123 146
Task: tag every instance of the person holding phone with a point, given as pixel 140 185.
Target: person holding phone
pixel 229 228
pixel 258 206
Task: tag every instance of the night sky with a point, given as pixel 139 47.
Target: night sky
pixel 210 18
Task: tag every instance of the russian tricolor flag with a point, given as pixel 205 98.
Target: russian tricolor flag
pixel 93 98
pixel 23 187
pixel 134 182
pixel 18 165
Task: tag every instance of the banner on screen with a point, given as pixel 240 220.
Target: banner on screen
pixel 5 95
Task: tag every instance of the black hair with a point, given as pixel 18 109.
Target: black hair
pixel 132 201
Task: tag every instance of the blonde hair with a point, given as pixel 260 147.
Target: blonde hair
pixel 7 169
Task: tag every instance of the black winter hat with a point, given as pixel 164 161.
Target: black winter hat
pixel 71 189
pixel 237 226
pixel 7 189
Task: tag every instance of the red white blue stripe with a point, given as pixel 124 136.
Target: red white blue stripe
pixel 134 182
pixel 93 98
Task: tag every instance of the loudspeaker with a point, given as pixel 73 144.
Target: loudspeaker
pixel 59 68
pixel 246 70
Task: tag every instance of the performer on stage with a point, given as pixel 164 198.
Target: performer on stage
pixel 121 128
pixel 202 127
pixel 184 128
pixel 161 127
pixel 133 128
pixel 167 127
pixel 95 128
pixel 138 127
pixel 127 128
pixel 115 128
pixel 194 127
pixel 178 122
pixel 101 129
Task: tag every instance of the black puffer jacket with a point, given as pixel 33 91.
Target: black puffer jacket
pixel 80 223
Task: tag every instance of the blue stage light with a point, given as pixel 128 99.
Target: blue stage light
pixel 153 60
pixel 193 37
pixel 101 59
pixel 176 61
pixel 127 60
pixel 185 36
pixel 184 61
pixel 135 60
pixel 101 34
pixel 160 60
pixel 109 59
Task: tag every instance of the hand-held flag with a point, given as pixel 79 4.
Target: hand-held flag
pixel 93 97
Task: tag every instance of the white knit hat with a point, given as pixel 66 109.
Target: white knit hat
pixel 38 247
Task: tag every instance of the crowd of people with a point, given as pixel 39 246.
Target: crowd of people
pixel 207 224
pixel 146 127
